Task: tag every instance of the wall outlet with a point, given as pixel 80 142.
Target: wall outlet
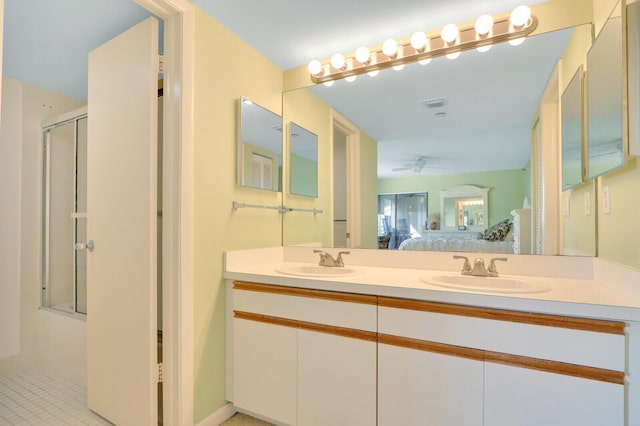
pixel 587 204
pixel 606 200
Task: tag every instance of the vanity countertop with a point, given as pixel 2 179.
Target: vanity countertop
pixel 585 287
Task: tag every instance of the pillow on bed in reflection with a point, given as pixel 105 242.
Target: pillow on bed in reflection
pixel 498 231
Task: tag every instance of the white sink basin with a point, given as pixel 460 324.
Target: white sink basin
pixel 486 284
pixel 307 270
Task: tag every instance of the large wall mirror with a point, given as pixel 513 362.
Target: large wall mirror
pixel 259 147
pixel 303 161
pixel 453 122
pixel 571 113
pixel 605 147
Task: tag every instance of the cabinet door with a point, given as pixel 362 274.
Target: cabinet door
pixel 336 380
pixel 264 369
pixel 424 388
pixel 520 396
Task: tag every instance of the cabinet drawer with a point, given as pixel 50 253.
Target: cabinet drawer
pixel 337 309
pixel 599 344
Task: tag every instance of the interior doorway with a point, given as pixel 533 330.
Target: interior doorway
pixel 346 183
pixel 340 190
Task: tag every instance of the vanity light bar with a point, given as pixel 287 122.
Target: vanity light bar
pixel 467 38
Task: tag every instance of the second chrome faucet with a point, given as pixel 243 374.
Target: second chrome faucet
pixel 479 269
pixel 327 260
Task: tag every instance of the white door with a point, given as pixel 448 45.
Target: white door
pixel 121 221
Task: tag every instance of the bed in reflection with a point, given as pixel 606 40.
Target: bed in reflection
pixel 512 235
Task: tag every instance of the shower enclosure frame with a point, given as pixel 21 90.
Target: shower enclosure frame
pixel 71 117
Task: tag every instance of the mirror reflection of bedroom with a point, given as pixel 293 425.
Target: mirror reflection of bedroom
pixel 457 223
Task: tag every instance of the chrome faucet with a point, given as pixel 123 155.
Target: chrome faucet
pixel 479 270
pixel 493 271
pixel 327 260
pixel 466 268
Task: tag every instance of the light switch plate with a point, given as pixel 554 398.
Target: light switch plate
pixel 606 200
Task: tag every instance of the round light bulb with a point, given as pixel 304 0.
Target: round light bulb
pixel 516 41
pixel 337 61
pixel 362 55
pixel 390 47
pixel 398 67
pixel 520 16
pixel 419 40
pixel 328 83
pixel 315 67
pixel 449 33
pixel 351 78
pixel 425 61
pixel 453 55
pixel 484 24
pixel 373 73
pixel 484 48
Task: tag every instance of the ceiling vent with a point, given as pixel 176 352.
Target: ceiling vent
pixel 433 103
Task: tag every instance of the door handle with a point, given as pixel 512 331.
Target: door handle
pixel 89 245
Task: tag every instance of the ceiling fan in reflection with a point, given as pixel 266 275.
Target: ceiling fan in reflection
pixel 416 166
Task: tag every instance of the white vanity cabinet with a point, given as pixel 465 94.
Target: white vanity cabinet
pixel 336 380
pixel 302 357
pixel 523 397
pixel 265 371
pixel 313 357
pixel 474 366
pixel 418 387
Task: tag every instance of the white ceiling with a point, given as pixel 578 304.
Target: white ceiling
pixel 46 44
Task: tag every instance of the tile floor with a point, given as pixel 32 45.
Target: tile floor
pixel 31 397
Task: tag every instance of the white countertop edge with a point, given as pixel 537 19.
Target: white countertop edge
pixel 609 291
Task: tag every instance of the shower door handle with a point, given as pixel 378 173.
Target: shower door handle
pixel 89 245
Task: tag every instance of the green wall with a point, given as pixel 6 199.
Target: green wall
pixel 306 175
pixel 506 189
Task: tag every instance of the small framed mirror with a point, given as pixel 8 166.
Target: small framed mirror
pixel 572 107
pixel 605 145
pixel 464 208
pixel 259 147
pixel 303 161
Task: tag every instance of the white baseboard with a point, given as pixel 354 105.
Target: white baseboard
pixel 220 415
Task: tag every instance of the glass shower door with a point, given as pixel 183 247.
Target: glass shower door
pixel 64 215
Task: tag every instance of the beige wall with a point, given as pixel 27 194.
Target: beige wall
pixel 10 171
pixel 25 107
pixel 226 68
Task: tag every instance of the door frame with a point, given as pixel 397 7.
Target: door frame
pixel 352 134
pixel 177 257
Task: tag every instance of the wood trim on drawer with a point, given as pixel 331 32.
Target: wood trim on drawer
pixel 305 292
pixel 426 346
pixel 555 367
pixel 584 324
pixel 285 322
pixel 351 333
